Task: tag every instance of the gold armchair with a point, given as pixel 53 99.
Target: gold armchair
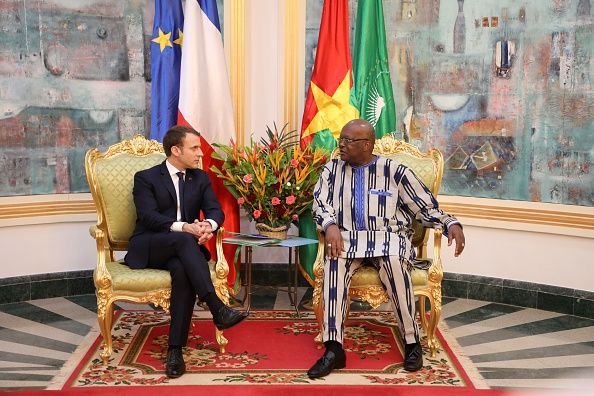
pixel 111 176
pixel 366 284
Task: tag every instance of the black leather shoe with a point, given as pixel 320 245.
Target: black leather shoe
pixel 413 357
pixel 227 318
pixel 175 365
pixel 328 362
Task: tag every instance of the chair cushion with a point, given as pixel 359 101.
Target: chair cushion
pixel 420 277
pixel 367 276
pixel 137 280
pixel 143 280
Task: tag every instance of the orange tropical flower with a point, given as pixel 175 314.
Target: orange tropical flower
pixel 273 179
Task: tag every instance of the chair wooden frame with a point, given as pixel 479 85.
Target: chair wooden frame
pixel 112 233
pixel 427 283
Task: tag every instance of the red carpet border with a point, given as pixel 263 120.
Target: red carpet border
pixel 269 349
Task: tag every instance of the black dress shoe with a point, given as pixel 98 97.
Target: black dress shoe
pixel 227 318
pixel 413 357
pixel 328 362
pixel 175 365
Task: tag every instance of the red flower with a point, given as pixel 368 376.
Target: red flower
pixel 295 217
pixel 272 178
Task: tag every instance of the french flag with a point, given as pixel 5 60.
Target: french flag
pixel 205 100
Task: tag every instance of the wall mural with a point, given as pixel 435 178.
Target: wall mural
pixel 504 88
pixel 74 74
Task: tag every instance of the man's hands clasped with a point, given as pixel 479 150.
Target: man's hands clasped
pixel 202 230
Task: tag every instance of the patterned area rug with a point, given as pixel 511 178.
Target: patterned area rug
pixel 270 348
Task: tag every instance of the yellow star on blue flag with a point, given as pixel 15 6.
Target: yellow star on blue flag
pixel 165 66
pixel 180 38
pixel 163 40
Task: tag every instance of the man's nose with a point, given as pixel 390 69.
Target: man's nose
pixel 200 153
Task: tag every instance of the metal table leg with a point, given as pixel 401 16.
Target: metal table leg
pixel 293 276
pixel 248 276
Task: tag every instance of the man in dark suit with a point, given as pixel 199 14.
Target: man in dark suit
pixel 169 235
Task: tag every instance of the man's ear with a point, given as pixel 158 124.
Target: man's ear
pixel 175 150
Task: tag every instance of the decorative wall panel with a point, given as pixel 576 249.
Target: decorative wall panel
pixel 503 87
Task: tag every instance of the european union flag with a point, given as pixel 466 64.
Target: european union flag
pixel 166 46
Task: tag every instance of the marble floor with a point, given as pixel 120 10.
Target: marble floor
pixel 512 347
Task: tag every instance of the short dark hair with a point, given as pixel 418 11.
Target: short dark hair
pixel 175 135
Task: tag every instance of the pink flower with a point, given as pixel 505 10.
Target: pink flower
pixel 275 201
pixel 247 178
pixel 294 163
pixel 240 200
pixel 257 214
pixel 290 200
pixel 295 217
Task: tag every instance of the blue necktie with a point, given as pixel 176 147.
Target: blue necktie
pixel 181 186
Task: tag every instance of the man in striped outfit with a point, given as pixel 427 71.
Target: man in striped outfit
pixel 364 205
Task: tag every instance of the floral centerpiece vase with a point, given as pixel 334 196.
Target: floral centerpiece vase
pixel 272 180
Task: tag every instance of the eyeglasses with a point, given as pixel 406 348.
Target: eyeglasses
pixel 349 141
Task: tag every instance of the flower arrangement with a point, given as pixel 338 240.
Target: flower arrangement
pixel 273 179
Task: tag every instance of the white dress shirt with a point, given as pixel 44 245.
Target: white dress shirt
pixel 177 226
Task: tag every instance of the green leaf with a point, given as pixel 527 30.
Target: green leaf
pixel 216 156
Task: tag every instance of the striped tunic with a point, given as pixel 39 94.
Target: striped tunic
pixel 374 205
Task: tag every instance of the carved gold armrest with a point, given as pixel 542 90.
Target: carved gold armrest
pixel 318 270
pixel 221 268
pixel 101 275
pixel 436 270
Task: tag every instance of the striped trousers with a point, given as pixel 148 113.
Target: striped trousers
pixel 396 279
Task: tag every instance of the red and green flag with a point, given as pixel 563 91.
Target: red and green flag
pixel 372 93
pixel 327 107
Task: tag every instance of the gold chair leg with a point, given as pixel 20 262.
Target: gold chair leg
pixel 220 284
pixel 432 327
pixel 318 311
pixel 221 340
pixel 105 319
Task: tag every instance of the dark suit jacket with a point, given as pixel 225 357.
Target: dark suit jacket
pixel 156 207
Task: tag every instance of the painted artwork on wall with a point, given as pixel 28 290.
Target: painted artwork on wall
pixel 504 88
pixel 73 75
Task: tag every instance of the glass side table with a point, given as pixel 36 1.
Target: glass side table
pixel 292 243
